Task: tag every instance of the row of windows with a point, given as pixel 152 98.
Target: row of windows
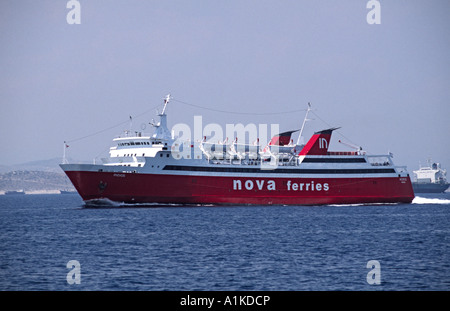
pixel 130 155
pixel 334 160
pixel 276 171
pixel 140 143
pixel 135 155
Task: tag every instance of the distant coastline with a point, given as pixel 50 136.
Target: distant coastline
pixel 36 177
pixel 34 182
pixel 2 192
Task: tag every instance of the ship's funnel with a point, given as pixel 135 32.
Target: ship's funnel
pixel 318 143
pixel 282 139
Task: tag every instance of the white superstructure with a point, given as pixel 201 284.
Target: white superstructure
pixel 433 173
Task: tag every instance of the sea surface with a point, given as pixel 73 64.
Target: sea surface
pixel 276 248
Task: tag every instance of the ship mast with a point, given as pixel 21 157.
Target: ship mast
pixel 166 101
pixel 64 159
pixel 162 132
pixel 303 125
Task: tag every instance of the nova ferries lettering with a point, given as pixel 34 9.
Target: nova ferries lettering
pixel 271 185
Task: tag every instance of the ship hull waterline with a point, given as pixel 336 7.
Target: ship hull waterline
pixel 430 187
pixel 238 190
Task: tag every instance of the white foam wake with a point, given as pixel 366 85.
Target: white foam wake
pixel 421 200
pixel 103 202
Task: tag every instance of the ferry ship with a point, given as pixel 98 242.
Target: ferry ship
pixel 430 179
pixel 161 169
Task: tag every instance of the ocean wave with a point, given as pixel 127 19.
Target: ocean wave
pixel 422 200
pixel 101 203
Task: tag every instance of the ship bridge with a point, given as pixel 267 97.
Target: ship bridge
pixel 132 150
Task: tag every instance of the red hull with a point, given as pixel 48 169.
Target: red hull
pixel 187 189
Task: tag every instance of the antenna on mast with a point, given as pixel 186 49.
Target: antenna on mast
pixel 166 101
pixel 303 125
pixel 131 123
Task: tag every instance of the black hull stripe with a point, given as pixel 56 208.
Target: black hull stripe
pixel 334 160
pixel 278 170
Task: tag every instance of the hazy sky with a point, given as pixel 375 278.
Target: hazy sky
pixel 386 85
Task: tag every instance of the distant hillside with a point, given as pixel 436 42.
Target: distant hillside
pixel 43 176
pixel 50 165
pixel 34 181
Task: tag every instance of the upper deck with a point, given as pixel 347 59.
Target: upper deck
pixel 162 150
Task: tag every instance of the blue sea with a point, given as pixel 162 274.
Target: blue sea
pixel 241 248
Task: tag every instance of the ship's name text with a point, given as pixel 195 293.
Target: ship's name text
pixel 271 185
